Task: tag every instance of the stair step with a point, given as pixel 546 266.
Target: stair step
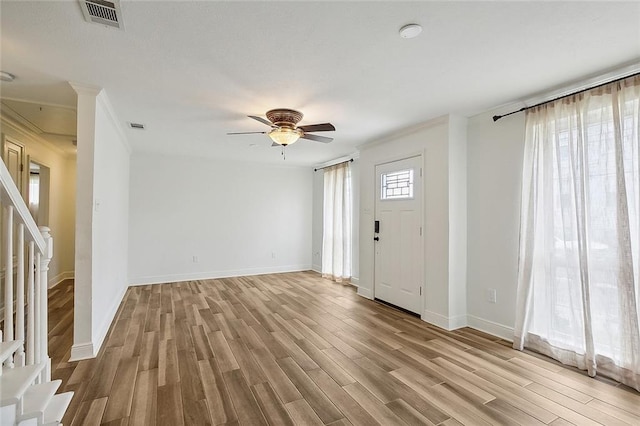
pixel 57 407
pixel 14 382
pixel 7 348
pixel 36 399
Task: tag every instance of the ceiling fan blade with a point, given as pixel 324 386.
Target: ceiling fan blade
pixel 316 138
pixel 247 133
pixel 324 127
pixel 262 120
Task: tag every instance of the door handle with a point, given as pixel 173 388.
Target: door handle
pixel 376 238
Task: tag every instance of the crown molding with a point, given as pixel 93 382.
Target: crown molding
pixel 28 134
pixel 103 99
pixel 49 104
pixel 353 156
pixel 9 112
pixel 391 136
pixel 85 88
pixel 563 89
pixel 583 84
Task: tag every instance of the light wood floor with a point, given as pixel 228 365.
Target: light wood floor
pixel 298 349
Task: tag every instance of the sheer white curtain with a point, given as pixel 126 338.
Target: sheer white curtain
pixel 336 236
pixel 578 283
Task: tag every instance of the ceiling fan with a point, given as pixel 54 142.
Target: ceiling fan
pixel 284 129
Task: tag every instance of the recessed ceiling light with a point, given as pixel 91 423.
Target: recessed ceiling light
pixel 410 31
pixel 6 76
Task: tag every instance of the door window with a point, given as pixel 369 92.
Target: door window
pixel 397 185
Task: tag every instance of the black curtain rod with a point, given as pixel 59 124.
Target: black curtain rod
pixel 342 162
pixel 498 117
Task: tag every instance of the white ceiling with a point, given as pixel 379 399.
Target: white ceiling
pixel 192 71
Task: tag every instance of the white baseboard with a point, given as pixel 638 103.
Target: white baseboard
pixel 172 278
pixel 62 276
pixel 490 327
pixel 355 281
pixel 90 349
pixel 106 323
pixel 316 268
pixel 447 323
pixel 365 292
pixel 457 322
pixel 82 351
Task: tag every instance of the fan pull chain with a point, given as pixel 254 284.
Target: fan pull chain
pixel 284 156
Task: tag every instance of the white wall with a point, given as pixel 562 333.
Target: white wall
pixel 495 152
pixel 472 178
pixel 102 209
pixel 110 219
pixel 69 224
pixel 236 218
pixel 432 141
pixel 61 196
pixel 83 344
pixel 457 221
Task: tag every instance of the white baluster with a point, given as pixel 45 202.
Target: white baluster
pixel 31 319
pixel 8 282
pixel 44 282
pixel 36 316
pixel 20 296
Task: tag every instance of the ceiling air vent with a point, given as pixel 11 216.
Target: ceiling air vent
pixel 136 126
pixel 103 12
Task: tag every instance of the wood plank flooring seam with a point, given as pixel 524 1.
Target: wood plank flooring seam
pixel 294 348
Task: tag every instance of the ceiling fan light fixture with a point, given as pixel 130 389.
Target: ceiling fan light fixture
pixel 7 76
pixel 285 136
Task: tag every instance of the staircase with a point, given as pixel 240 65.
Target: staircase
pixel 27 393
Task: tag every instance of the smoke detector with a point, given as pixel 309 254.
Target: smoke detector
pixel 103 12
pixel 410 31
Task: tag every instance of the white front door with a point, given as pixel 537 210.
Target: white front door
pixel 399 249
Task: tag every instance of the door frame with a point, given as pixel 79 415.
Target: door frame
pixel 47 202
pixel 376 194
pixel 23 180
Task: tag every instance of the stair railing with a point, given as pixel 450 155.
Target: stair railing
pixel 21 236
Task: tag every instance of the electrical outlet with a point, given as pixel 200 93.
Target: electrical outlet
pixel 492 295
pixel 273 254
pixel 195 259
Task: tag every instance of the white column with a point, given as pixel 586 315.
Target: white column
pixel 83 294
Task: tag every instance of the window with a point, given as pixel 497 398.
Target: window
pixel 579 278
pixel 336 230
pixel 397 185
